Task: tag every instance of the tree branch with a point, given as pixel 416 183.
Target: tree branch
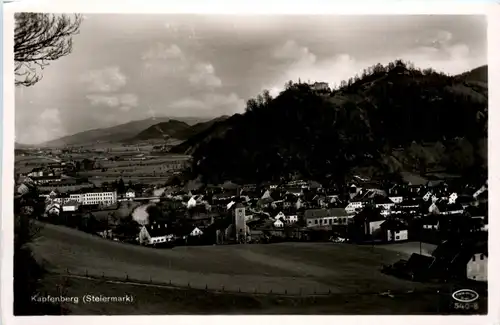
pixel 39 39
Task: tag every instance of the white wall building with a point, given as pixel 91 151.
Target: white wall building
pixel 396 199
pixel 354 206
pixel 397 235
pixel 95 197
pixel 130 194
pixel 477 267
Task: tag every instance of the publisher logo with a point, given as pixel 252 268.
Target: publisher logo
pixel 465 295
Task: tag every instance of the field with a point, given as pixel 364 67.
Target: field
pixel 154 169
pixel 151 300
pixel 153 166
pixel 287 278
pixel 295 267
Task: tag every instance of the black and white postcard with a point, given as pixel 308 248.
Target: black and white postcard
pixel 246 163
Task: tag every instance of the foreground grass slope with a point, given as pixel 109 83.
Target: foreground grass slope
pixel 150 300
pixel 294 267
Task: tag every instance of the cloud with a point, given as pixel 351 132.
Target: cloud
pixel 170 61
pixel 162 60
pixel 122 101
pixel 209 105
pixel 48 126
pixel 204 74
pixel 108 79
pixel 162 52
pixel 300 62
pixel 292 51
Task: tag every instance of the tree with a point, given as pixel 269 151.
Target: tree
pixel 120 187
pixel 39 39
pixel 27 272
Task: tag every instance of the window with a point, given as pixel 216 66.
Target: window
pixel 473 258
pixel 481 257
pixel 316 221
pixel 397 237
pixel 330 221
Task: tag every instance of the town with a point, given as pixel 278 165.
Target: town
pixel 250 164
pixel 361 211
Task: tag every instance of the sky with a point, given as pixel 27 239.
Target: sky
pixel 127 67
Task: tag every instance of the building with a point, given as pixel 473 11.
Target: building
pixel 95 196
pixel 384 204
pixel 130 194
pixel 287 219
pixel 430 223
pixel 239 221
pixel 394 230
pixel 354 206
pixel 396 199
pixel 196 232
pixel 154 234
pixel 278 223
pixel 70 206
pixel 368 223
pixel 53 209
pixel 477 267
pixel 176 165
pixel 326 217
pixel 320 87
pixel 39 180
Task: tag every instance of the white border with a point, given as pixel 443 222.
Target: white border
pixel 247 7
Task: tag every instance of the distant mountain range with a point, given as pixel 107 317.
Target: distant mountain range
pixel 149 128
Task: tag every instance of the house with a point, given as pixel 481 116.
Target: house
pixel 368 222
pixel 448 208
pixel 355 206
pixel 430 223
pixel 427 196
pixel 396 199
pixel 70 206
pixel 409 206
pixel 192 202
pixel 297 191
pixel 353 191
pixel 196 232
pixel 464 258
pixel 394 230
pixel 477 266
pixel 320 87
pixel 278 224
pixel 287 219
pixel 326 217
pixel 154 234
pixel 383 203
pixel 130 194
pixel 53 209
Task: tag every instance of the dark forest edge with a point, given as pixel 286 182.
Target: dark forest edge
pixel 390 119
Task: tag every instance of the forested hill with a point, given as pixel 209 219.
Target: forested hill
pixel 389 119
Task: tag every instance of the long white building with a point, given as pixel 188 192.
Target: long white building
pixel 95 197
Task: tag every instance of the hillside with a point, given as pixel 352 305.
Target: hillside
pixel 197 128
pixel 116 133
pixel 174 129
pixel 391 118
pixel 163 130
